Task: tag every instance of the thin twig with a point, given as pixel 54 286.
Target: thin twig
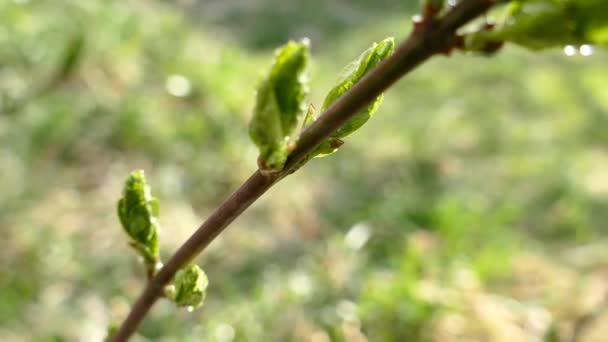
pixel 437 36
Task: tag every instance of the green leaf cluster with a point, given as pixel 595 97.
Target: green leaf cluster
pixel 349 76
pixel 138 213
pixel 541 24
pixel 280 104
pixel 190 286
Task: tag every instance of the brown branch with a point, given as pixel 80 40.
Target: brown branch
pixel 431 37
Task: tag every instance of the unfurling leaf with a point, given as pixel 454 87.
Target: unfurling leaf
pixel 189 286
pixel 350 75
pixel 542 24
pixel 280 103
pixel 138 214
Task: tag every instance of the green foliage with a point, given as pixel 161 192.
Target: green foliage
pixel 190 287
pixel 393 309
pixel 537 144
pixel 280 103
pixel 350 75
pixel 71 57
pixel 541 24
pixel 138 213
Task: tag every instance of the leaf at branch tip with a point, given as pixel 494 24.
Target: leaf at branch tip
pixel 190 286
pixel 350 75
pixel 280 103
pixel 138 214
pixel 542 24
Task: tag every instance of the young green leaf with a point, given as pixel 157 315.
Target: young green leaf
pixel 350 75
pixel 190 286
pixel 542 24
pixel 538 25
pixel 280 103
pixel 138 214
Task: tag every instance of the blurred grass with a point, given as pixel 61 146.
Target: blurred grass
pixel 471 208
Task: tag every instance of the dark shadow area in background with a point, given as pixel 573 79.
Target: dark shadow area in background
pixel 264 24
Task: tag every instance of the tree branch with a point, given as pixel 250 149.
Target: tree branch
pixel 431 37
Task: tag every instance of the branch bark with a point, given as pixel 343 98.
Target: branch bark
pixel 431 37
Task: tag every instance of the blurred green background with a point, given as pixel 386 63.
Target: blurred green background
pixel 471 208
